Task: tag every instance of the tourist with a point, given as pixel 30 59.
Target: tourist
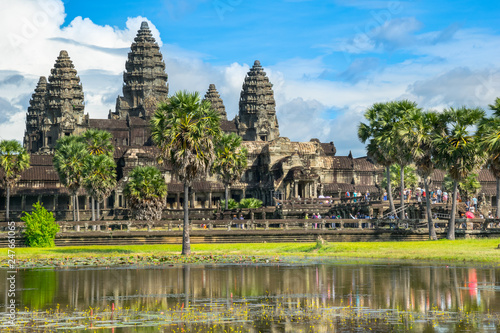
pixel 367 196
pixel 242 225
pixel 355 194
pixel 348 196
pixel 445 197
pixel 474 202
pixel 439 195
pixel 385 196
pixel 352 217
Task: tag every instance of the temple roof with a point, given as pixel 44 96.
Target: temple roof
pixel 213 97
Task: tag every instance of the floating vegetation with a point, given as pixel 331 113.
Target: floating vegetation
pixel 243 316
pixel 139 260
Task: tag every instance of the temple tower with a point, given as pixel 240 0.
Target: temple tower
pixel 34 117
pixel 145 80
pixel 64 109
pixel 213 96
pixel 257 115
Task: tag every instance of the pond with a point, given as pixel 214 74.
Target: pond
pixel 309 296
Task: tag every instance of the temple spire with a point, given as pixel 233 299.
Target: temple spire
pixel 257 114
pixel 145 80
pixel 213 97
pixel 34 117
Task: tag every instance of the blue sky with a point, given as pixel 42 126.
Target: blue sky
pixel 328 60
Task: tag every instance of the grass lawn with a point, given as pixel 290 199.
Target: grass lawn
pixel 472 250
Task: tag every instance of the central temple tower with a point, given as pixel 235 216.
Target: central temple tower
pixel 257 116
pixel 145 80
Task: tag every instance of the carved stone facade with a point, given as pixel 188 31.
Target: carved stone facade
pixel 213 97
pixel 145 80
pixel 257 120
pixel 56 107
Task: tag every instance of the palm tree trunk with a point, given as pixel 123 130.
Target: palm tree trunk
pixel 98 210
pixel 498 198
pixel 77 208
pixel 74 206
pixel 93 211
pixel 7 205
pixel 432 230
pixel 389 189
pixel 186 244
pixel 227 196
pixel 451 224
pixel 402 197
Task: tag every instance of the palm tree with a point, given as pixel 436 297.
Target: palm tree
pixel 69 159
pixel 405 149
pixel 230 161
pixel 378 133
pixel 98 143
pixel 14 159
pixel 489 134
pixel 457 150
pixel 185 129
pixel 100 178
pixel 146 191
pixel 419 130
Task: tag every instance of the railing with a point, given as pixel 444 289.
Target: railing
pixel 266 224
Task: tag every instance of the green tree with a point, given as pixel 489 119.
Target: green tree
pixel 100 178
pixel 40 227
pixel 410 176
pixel 489 134
pixel 99 185
pixel 146 193
pixel 99 142
pixel 468 186
pixel 457 150
pixel 419 130
pixel 250 203
pixel 378 132
pixel 69 160
pixel 230 161
pixel 14 159
pixel 185 129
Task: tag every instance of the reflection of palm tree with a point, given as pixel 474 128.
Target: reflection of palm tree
pixel 40 288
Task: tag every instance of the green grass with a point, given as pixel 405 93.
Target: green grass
pixel 473 250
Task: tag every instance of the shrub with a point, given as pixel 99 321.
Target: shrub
pixel 250 203
pixel 231 204
pixel 40 227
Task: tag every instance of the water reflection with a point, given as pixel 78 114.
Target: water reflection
pixel 418 289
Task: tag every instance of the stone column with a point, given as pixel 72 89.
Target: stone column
pixel 178 200
pixel 23 202
pixel 210 199
pixel 315 193
pixel 115 203
pixel 56 199
pixel 296 188
pixel 193 199
pixel 243 193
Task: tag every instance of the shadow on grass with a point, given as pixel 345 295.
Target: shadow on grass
pixel 75 251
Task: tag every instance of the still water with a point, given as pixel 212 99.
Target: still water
pixel 305 297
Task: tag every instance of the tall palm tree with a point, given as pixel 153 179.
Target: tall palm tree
pixel 69 159
pixel 378 133
pixel 14 159
pixel 185 130
pixel 230 161
pixel 146 192
pixel 489 134
pixel 457 150
pixel 99 142
pixel 418 130
pixel 100 178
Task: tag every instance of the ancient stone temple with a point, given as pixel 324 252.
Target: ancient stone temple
pixel 145 80
pixel 57 107
pixel 257 120
pixel 213 97
pixel 34 118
